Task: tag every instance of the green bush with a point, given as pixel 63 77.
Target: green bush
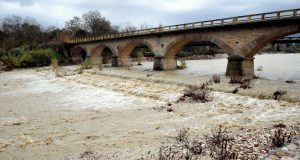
pixel 140 57
pixel 34 58
pixel 2 55
pixel 87 64
pixel 15 52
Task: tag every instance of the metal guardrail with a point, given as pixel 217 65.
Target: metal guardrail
pixel 203 24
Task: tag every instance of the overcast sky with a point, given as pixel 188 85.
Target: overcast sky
pixel 151 12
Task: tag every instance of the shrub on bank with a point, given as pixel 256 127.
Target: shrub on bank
pixel 34 58
pixel 222 144
pixel 23 58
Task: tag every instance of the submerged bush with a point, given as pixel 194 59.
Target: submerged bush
pixel 278 94
pixel 196 93
pixel 216 79
pixel 260 68
pixel 236 80
pixel 244 83
pixel 183 64
pixel 54 64
pixel 86 64
pixel 139 56
pixel 59 72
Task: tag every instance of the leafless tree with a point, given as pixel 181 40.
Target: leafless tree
pixel 11 27
pixel 95 23
pixel 21 31
pixel 144 26
pixel 31 35
pixel 74 24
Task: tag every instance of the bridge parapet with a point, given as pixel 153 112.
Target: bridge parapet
pixel 269 16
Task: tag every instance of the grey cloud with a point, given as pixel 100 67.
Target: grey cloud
pixel 141 11
pixel 22 2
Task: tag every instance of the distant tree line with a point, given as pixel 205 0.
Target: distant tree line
pixel 21 37
pixel 16 31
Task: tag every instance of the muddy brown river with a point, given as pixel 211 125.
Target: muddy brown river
pixel 119 111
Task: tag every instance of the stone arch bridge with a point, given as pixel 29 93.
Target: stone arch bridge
pixel 240 37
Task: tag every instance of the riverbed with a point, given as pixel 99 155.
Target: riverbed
pixel 122 111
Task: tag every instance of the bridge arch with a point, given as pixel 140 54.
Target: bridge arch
pixel 260 42
pixel 175 47
pixel 129 47
pixel 97 54
pixel 78 54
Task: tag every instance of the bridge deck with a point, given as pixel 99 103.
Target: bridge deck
pixel 262 17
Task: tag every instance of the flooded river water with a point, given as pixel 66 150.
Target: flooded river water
pixel 274 66
pixel 45 117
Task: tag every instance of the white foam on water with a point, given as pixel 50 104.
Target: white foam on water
pixel 78 96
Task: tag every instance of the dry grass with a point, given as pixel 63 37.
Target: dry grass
pixel 220 145
pixel 183 135
pixel 54 64
pixel 59 72
pixel 280 137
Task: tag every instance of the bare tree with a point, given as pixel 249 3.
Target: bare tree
pixel 31 34
pixel 128 27
pixel 95 23
pixel 116 29
pixel 11 27
pixel 21 31
pixel 74 25
pixel 144 26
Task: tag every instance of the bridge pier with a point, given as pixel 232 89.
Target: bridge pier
pixel 162 64
pixel 240 66
pixel 121 61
